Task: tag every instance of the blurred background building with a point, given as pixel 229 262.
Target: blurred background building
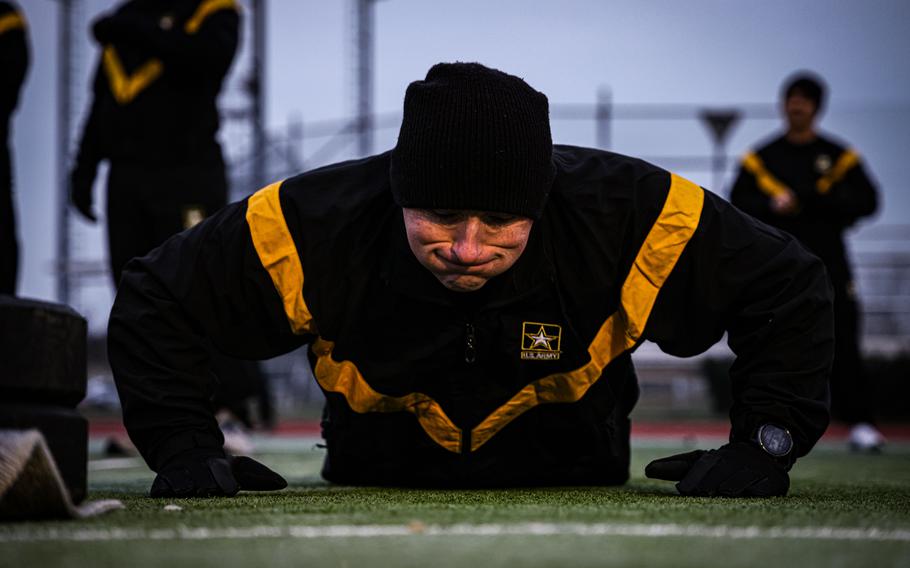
pixel 688 85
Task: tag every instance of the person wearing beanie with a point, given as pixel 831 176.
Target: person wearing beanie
pixel 471 300
pixel 153 117
pixel 816 188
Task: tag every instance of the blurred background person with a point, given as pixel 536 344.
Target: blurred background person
pixel 154 118
pixel 815 188
pixel 13 65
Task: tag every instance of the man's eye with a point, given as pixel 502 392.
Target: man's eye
pixel 497 220
pixel 444 216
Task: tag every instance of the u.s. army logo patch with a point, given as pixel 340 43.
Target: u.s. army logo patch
pixel 540 341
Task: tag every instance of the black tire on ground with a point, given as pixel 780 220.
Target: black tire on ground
pixel 66 433
pixel 42 352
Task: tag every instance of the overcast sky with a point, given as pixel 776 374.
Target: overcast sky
pixel 710 52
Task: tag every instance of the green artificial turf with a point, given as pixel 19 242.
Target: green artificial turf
pixel 830 488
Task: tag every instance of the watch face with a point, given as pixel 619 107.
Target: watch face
pixel 775 440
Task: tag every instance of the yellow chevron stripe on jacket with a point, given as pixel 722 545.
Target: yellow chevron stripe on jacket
pixel 278 255
pixel 653 264
pixel 344 377
pixel 125 87
pixel 847 160
pixel 11 21
pixel 767 183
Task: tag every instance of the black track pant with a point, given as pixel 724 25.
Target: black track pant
pixel 851 390
pixel 146 205
pixel 9 246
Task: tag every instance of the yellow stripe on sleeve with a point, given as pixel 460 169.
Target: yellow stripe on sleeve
pixel 767 183
pixel 205 10
pixel 11 21
pixel 278 255
pixel 847 161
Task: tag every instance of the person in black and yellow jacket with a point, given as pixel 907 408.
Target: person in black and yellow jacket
pixel 13 66
pixel 153 116
pixel 815 189
pixel 471 300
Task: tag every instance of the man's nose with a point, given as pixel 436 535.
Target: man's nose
pixel 467 247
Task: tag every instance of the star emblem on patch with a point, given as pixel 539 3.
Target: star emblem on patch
pixel 540 341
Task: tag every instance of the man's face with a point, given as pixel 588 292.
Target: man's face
pixel 464 249
pixel 800 111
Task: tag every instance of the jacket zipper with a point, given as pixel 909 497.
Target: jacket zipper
pixel 470 356
pixel 470 348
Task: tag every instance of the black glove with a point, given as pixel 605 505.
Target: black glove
pixel 738 469
pixel 124 27
pixel 208 473
pixel 81 192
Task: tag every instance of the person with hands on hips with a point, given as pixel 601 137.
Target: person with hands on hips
pixel 154 118
pixel 816 188
pixel 471 300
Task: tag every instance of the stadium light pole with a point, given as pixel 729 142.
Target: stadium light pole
pixel 602 117
pixel 720 124
pixel 257 90
pixel 363 38
pixel 64 95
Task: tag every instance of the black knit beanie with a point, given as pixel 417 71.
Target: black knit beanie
pixel 473 138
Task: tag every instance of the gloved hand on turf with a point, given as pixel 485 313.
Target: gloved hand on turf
pixel 738 469
pixel 208 473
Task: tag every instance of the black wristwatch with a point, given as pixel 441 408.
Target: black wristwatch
pixel 776 442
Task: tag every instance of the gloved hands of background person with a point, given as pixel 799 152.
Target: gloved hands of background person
pixel 209 472
pixel 126 27
pixel 785 204
pixel 738 469
pixel 81 183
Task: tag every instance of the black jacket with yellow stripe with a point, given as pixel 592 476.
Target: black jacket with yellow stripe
pixel 154 93
pixel 527 381
pixel 830 184
pixel 13 66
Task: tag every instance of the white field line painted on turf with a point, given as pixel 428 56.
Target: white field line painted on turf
pixel 107 464
pixel 418 529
